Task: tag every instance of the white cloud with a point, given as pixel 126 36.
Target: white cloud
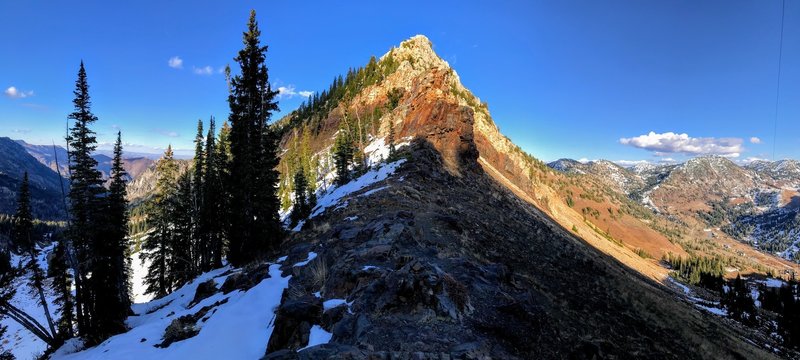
pixel 175 62
pixel 14 93
pixel 755 140
pixel 205 70
pixel 168 133
pixel 21 131
pixel 289 92
pixel 671 143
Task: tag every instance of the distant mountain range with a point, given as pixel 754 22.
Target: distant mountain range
pixel 757 203
pixel 47 166
pixel 46 196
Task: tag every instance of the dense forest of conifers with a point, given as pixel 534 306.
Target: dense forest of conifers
pixel 225 206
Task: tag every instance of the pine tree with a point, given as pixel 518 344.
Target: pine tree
pixel 342 157
pixel 302 204
pixel 392 150
pixel 223 162
pixel 789 321
pixel 157 247
pixel 85 198
pixel 182 258
pixel 62 287
pixel 255 225
pixel 110 270
pixel 23 227
pixel 199 239
pixel 739 304
pixel 211 216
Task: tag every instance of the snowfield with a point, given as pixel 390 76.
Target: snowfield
pixel 237 329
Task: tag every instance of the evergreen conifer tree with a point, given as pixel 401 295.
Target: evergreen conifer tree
pixel 342 157
pixel 157 247
pixel 110 270
pixel 182 257
pixel 62 287
pixel 392 149
pixel 198 235
pixel 86 199
pixel 302 204
pixel 211 216
pixel 739 304
pixel 21 235
pixel 255 225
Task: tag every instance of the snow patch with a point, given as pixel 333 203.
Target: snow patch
pixel 311 256
pixel 335 195
pixel 713 310
pixel 332 303
pixel 318 336
pixel 137 282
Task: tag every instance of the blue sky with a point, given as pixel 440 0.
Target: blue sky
pixel 579 79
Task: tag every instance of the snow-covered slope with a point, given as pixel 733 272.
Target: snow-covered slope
pixel 17 339
pixel 237 326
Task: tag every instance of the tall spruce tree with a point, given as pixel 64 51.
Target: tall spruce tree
pixel 739 303
pixel 302 203
pixel 213 196
pixel 85 199
pixel 223 163
pixel 255 224
pixel 157 247
pixel 392 149
pixel 22 237
pixel 110 272
pixel 182 257
pixel 198 235
pixel 343 157
pixel 62 287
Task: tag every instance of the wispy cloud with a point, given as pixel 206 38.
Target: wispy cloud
pixel 15 93
pixel 755 140
pixel 21 131
pixel 289 91
pixel 175 62
pixel 205 70
pixel 672 143
pixel 167 133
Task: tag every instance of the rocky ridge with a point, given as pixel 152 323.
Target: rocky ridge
pixel 474 200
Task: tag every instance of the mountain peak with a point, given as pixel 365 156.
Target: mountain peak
pixel 417 51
